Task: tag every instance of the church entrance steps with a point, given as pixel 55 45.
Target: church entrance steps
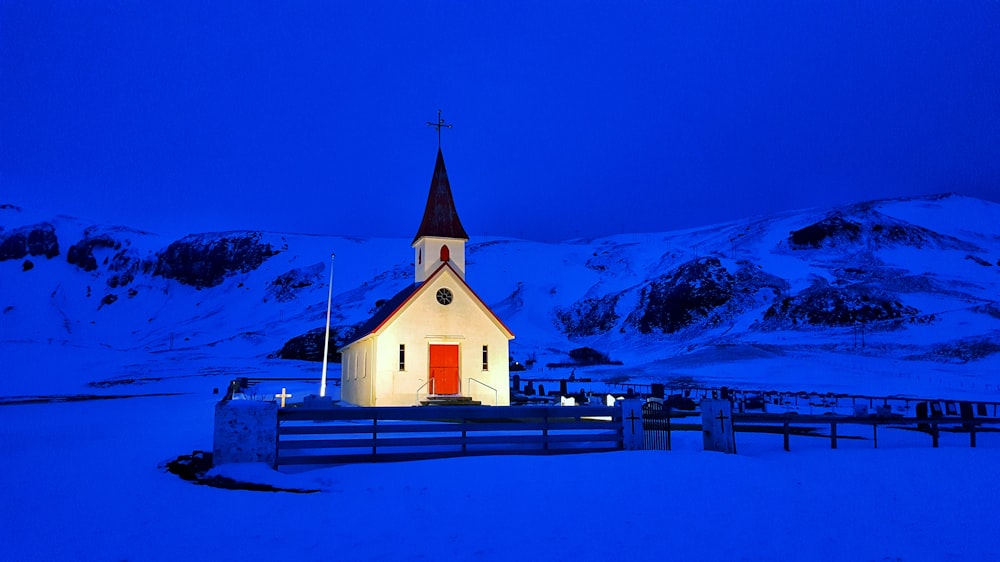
pixel 449 400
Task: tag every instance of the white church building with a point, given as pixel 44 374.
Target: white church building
pixel 436 341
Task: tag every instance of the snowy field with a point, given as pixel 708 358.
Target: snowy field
pixel 86 481
pixel 83 481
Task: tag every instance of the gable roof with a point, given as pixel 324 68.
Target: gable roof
pixel 440 216
pixel 399 302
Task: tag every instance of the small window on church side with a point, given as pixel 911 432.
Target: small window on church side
pixel 402 357
pixel 486 358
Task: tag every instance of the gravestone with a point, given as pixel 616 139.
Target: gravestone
pixel 632 430
pixel 656 390
pixel 516 381
pixel 922 415
pixel 717 425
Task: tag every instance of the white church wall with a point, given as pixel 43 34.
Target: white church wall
pixel 425 322
pixel 404 384
pixel 347 393
pixel 497 375
pixel 357 368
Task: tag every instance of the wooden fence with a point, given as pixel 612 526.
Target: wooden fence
pixel 659 422
pixel 788 424
pixel 350 435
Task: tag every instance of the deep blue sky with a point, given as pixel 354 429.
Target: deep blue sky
pixel 570 118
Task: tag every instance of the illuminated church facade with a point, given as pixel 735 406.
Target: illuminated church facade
pixel 435 341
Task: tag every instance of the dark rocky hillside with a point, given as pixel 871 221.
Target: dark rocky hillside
pixel 81 254
pixel 702 292
pixel 863 227
pixel 286 286
pixel 826 305
pixel 35 240
pixel 309 346
pixel 205 260
pixel 588 317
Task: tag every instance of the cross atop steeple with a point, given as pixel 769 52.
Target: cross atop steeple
pixel 440 123
pixel 440 216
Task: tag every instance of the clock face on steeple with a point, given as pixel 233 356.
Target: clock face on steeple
pixel 444 296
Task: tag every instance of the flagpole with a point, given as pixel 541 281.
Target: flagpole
pixel 326 340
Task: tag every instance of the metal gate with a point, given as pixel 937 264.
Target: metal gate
pixel 656 426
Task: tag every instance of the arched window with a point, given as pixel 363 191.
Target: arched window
pixel 445 253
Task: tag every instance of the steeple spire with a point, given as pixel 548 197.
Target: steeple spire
pixel 440 216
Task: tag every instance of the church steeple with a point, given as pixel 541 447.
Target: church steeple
pixel 440 216
pixel 441 237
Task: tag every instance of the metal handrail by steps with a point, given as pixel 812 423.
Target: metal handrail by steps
pixel 429 382
pixel 496 395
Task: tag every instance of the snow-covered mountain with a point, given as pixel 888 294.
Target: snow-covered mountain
pixel 897 296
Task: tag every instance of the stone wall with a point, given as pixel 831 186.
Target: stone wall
pixel 245 431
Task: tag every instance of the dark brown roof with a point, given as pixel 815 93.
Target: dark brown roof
pixel 440 216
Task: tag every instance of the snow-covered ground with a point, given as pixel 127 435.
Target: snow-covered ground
pixel 84 481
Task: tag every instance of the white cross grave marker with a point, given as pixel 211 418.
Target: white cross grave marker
pixel 632 432
pixel 284 394
pixel 717 425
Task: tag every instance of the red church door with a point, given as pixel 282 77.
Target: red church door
pixel 444 369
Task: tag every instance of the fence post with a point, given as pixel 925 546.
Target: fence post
pixel 669 410
pixel 972 435
pixel 786 437
pixel 632 432
pixel 465 434
pixel 875 434
pixel 374 435
pixel 934 434
pixel 545 429
pixel 833 435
